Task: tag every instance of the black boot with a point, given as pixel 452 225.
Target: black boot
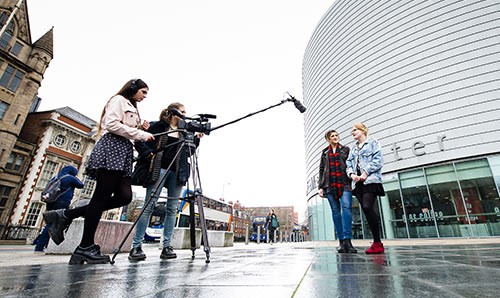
pixel 89 255
pixel 348 247
pixel 136 254
pixel 58 223
pixel 168 253
pixel 342 248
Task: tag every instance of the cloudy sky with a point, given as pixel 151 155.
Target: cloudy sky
pixel 223 57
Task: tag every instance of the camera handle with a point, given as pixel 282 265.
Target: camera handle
pixel 290 99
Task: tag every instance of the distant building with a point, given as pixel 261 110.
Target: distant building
pixel 22 66
pixel 61 137
pixel 241 219
pixel 286 216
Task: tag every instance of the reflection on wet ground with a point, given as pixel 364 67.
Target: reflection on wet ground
pixel 280 270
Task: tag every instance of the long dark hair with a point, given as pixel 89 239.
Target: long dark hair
pixel 128 91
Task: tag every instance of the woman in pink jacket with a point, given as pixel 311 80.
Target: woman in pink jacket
pixel 110 164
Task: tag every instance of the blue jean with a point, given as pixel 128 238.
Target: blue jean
pixel 43 239
pixel 342 219
pixel 174 190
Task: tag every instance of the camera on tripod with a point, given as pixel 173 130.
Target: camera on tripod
pixel 199 124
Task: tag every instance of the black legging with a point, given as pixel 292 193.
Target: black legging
pixel 367 201
pixel 112 191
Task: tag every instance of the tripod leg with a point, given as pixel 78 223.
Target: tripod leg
pixel 192 227
pixel 116 251
pixel 203 225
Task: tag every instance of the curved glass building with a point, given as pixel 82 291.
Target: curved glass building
pixel 424 77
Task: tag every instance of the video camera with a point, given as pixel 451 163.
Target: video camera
pixel 197 124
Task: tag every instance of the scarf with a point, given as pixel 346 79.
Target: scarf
pixel 336 179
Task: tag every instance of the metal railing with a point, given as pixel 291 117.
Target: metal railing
pixel 18 232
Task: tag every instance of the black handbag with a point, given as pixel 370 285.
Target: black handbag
pixel 141 174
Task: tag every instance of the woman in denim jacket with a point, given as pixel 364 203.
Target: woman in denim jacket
pixel 364 166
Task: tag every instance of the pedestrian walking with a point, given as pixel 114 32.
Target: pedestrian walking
pixel 69 182
pixel 272 225
pixel 335 185
pixel 364 166
pixel 110 164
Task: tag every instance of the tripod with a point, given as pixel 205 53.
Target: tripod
pixel 186 141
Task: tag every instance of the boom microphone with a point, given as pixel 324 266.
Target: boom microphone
pixel 297 103
pixel 299 106
pixel 208 116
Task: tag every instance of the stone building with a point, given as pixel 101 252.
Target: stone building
pixel 22 66
pixel 62 137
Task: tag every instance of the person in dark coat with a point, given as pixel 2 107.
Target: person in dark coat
pixel 269 225
pixel 169 162
pixel 68 184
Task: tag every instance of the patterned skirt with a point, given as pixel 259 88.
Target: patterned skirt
pixel 112 152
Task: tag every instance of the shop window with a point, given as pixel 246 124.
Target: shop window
pixel 15 162
pixel 481 198
pixel 392 208
pixel 447 201
pixel 417 205
pixel 3 108
pixel 33 214
pixel 49 171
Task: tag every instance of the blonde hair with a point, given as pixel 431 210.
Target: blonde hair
pixel 361 127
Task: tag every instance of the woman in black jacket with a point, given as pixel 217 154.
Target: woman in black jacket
pixel 335 185
pixel 167 161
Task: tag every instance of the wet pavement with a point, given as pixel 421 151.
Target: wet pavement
pixel 448 268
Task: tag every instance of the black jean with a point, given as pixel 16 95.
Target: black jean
pixel 112 190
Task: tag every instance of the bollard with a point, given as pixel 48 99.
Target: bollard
pixel 246 236
pixel 258 235
pixel 267 235
pixel 281 237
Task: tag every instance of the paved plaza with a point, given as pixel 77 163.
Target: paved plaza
pixel 409 268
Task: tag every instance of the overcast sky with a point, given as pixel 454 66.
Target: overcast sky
pixel 223 57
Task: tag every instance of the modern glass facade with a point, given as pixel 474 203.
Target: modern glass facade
pixel 456 199
pixel 423 76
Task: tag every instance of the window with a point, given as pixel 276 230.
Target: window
pixel 75 146
pixel 3 109
pixel 33 213
pixel 11 78
pixel 16 48
pixel 15 161
pixel 59 140
pixel 9 32
pixel 48 172
pixel 5 192
pixel 88 188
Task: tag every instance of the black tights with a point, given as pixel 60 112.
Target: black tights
pixel 112 190
pixel 367 201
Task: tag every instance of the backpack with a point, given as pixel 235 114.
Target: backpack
pixel 53 190
pixel 274 223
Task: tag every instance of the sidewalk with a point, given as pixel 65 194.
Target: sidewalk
pixel 409 268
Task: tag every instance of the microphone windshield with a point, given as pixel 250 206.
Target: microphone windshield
pixel 299 106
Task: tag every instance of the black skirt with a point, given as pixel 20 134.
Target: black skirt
pixel 375 188
pixel 112 152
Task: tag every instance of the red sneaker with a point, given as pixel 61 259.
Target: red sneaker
pixel 376 248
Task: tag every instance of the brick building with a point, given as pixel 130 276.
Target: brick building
pixel 22 66
pixel 241 218
pixel 62 137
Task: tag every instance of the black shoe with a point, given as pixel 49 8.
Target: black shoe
pixel 168 253
pixel 348 246
pixel 136 254
pixel 342 249
pixel 58 223
pixel 89 255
